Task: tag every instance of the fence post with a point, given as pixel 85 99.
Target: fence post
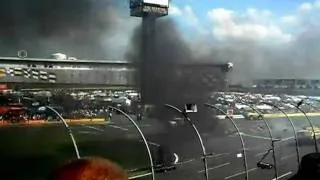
pixel 186 117
pixel 245 164
pixel 141 134
pixel 270 135
pixel 293 128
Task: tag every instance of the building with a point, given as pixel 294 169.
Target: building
pixel 307 84
pixel 44 73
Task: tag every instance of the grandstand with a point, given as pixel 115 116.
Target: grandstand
pixel 280 86
pixel 287 83
pixel 40 73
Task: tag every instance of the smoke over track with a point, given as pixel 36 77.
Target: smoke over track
pixel 161 52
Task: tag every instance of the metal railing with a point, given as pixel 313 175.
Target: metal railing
pixel 187 118
pixel 68 129
pixel 142 136
pixel 293 128
pixel 183 113
pixel 245 164
pixel 316 149
pixel 270 136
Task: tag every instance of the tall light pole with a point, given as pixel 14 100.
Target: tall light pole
pixel 149 12
pixel 245 164
pixel 293 128
pixel 270 135
pixel 204 153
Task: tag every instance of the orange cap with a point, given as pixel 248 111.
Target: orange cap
pixel 89 169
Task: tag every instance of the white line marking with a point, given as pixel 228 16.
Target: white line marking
pixel 185 162
pixel 176 160
pixel 95 128
pixel 217 155
pixel 118 127
pixel 237 174
pixel 145 125
pixel 286 139
pixel 155 144
pixel 283 175
pixel 260 154
pixel 87 132
pixel 152 143
pixel 249 149
pixel 287 157
pixel 140 176
pixel 215 167
pixel 259 137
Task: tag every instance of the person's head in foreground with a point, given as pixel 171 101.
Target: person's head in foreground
pixel 89 169
pixel 309 168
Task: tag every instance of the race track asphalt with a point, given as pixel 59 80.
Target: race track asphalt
pixel 121 142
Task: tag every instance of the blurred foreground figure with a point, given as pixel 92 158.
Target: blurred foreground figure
pixel 89 169
pixel 309 168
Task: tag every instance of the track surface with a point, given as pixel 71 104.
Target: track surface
pixel 34 151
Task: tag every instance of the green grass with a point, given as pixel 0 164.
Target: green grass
pixel 31 153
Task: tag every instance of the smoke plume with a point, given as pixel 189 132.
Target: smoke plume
pixel 101 29
pixel 297 59
pixel 160 53
pixel 85 29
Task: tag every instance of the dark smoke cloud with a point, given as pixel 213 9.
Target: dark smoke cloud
pixel 158 74
pixel 252 59
pixel 255 60
pixel 100 29
pixel 77 28
pixel 164 51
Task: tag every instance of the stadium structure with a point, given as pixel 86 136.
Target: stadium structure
pixel 94 73
pixel 287 83
pixel 57 73
pixel 280 86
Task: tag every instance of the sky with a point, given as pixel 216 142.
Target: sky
pixel 265 38
pixel 278 21
pixel 280 38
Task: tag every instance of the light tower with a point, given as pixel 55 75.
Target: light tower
pixel 149 11
pixel 147 8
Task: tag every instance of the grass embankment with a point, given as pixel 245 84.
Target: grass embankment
pixel 278 115
pixel 44 122
pixel 30 153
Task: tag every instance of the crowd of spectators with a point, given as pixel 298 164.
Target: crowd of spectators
pixel 18 106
